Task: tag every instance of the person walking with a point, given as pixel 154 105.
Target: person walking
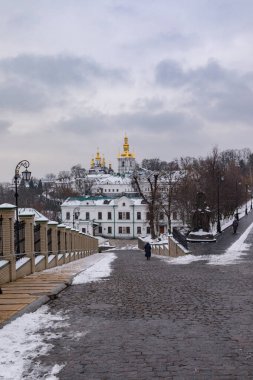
pixel 235 225
pixel 147 249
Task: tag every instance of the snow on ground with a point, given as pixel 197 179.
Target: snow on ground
pixel 100 270
pixel 21 342
pixel 231 255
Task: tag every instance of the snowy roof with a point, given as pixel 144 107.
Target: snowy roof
pixel 7 205
pixel 104 179
pixel 99 200
pixel 31 211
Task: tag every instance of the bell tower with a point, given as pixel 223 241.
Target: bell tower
pixel 126 159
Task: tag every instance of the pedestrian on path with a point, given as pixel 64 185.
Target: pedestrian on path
pixel 235 225
pixel 147 248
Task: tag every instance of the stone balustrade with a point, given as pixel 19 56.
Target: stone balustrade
pixel 58 244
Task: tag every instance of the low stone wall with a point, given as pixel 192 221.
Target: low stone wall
pixel 176 249
pixel 172 248
pixel 57 243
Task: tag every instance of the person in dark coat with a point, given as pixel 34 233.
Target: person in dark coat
pixel 147 248
pixel 235 225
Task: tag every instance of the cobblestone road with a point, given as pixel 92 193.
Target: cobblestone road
pixel 151 320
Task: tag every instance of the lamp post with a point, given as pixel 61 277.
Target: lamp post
pixel 251 200
pixel 246 196
pixel 26 175
pixel 219 179
pixel 76 213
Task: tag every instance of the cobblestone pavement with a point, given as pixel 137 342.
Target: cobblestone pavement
pixel 154 320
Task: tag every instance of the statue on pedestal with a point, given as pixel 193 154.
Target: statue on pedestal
pixel 201 221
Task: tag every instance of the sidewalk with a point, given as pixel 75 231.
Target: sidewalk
pixel 29 293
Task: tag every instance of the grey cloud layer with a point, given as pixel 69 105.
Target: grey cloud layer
pixel 146 122
pixel 59 70
pixel 216 93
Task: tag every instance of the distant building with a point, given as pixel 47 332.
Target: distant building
pixel 126 159
pixel 121 217
pixel 98 165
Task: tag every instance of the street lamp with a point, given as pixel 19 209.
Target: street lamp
pixel 26 175
pixel 246 195
pixel 76 213
pixel 237 199
pixel 219 179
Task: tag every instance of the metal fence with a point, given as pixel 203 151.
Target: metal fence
pixel 21 234
pixel 37 238
pixel 49 239
pixel 177 235
pixel 1 236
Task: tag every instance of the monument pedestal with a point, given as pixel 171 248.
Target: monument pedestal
pixel 201 236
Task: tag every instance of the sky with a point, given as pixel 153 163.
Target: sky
pixel 77 75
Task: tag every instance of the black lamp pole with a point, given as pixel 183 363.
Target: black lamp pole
pixel 76 211
pixel 26 175
pixel 218 206
pixel 246 194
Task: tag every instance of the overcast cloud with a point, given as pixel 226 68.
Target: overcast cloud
pixel 75 76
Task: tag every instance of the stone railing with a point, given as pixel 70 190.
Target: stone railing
pixel 171 248
pixel 57 244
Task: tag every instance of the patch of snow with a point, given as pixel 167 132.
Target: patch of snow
pixel 234 252
pixel 100 270
pixel 3 263
pixel 38 259
pixel 231 255
pixel 22 261
pixel 50 258
pixel 21 342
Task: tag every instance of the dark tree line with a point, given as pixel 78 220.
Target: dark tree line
pixel 226 179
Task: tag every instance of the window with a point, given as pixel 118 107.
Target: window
pixel 67 215
pixel 84 230
pixel 99 215
pixel 174 215
pixel 148 215
pixel 161 216
pixel 109 230
pixel 139 215
pixel 148 230
pixel 123 204
pixel 139 230
pixel 87 216
pixel 100 230
pixel 109 216
pixel 124 215
pixel 124 230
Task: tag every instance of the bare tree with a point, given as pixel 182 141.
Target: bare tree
pixel 151 197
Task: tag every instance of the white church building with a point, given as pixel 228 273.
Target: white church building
pixel 121 217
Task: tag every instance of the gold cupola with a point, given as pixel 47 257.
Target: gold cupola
pixel 126 152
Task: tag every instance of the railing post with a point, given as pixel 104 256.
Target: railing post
pixel 43 238
pixel 53 226
pixel 28 218
pixel 62 229
pixel 7 211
